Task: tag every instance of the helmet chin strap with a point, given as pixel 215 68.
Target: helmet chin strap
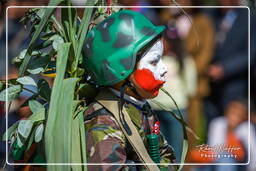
pixel 121 105
pixel 132 88
pixel 127 83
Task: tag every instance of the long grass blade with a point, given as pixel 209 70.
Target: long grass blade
pixel 185 141
pixel 78 143
pixel 83 29
pixel 58 126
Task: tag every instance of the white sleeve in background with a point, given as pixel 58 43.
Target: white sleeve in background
pixel 217 131
pixel 242 132
pixel 190 76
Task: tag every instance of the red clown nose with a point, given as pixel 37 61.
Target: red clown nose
pixel 146 80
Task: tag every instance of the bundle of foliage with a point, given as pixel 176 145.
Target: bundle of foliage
pixel 55 50
pixel 56 124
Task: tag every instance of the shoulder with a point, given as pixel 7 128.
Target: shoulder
pixel 94 106
pixel 96 115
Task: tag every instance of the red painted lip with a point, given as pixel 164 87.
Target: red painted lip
pixel 159 86
pixel 156 90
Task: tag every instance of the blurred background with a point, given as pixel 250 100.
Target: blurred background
pixel 207 55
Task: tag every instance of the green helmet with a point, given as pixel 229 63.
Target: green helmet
pixel 111 47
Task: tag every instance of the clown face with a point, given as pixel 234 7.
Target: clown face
pixel 148 78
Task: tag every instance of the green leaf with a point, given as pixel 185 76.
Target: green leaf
pixel 31 139
pixel 12 93
pixel 59 118
pixel 35 106
pixel 18 149
pixel 37 65
pixel 38 116
pixel 39 159
pixel 62 126
pixel 82 136
pixel 86 18
pixel 76 108
pixel 41 26
pixel 68 18
pixel 57 40
pixel 39 133
pixel 80 72
pixel 44 89
pixel 83 30
pixel 12 140
pixel 47 36
pixel 183 154
pixel 77 155
pixel 79 109
pixel 33 97
pixel 19 141
pixel 10 131
pixel 12 81
pixel 26 80
pixel 22 54
pixel 25 127
pixel 87 91
pixel 45 43
pixel 40 13
pixel 16 60
pixel 36 71
pixel 38 111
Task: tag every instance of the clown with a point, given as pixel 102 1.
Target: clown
pixel 123 56
pixel 148 78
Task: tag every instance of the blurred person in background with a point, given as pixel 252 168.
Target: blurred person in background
pixel 229 68
pixel 253 51
pixel 150 13
pixel 2 38
pixel 249 140
pixel 197 32
pixel 199 43
pixel 252 141
pixel 180 83
pixel 228 137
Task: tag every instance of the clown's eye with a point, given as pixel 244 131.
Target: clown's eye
pixel 154 62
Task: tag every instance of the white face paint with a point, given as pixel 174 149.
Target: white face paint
pixel 152 61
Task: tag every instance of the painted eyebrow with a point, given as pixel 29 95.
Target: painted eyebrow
pixel 157 58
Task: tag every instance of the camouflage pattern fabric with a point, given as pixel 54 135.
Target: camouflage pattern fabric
pixel 106 143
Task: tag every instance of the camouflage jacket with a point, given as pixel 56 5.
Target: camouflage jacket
pixel 106 142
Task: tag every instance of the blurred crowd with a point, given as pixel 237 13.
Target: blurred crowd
pixel 207 56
